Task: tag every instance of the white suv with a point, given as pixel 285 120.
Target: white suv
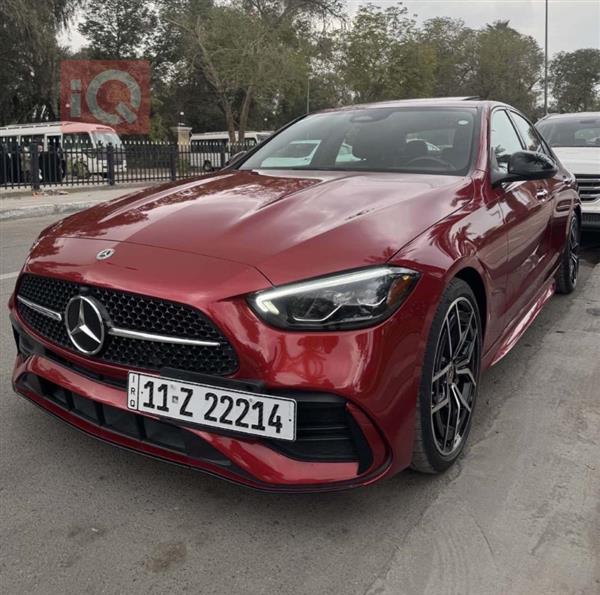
pixel 575 138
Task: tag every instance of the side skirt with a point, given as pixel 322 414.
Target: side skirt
pixel 516 331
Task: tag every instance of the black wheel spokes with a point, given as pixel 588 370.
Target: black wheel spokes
pixel 573 254
pixel 454 379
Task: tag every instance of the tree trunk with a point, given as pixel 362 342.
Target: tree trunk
pixel 229 119
pixel 244 114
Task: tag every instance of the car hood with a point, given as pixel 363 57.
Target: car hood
pixel 580 160
pixel 287 225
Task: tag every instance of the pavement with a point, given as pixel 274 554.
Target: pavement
pixel 23 204
pixel 519 514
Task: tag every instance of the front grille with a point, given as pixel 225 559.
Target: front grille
pixel 589 187
pixel 133 312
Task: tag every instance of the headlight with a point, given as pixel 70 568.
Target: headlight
pixel 343 301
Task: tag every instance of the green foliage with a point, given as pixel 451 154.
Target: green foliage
pixel 243 57
pixel 453 46
pixel 117 30
pixel 381 58
pixel 575 80
pixel 241 64
pixel 30 55
pixel 508 66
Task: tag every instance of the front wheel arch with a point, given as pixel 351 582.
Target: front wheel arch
pixel 474 280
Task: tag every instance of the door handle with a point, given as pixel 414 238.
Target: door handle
pixel 541 194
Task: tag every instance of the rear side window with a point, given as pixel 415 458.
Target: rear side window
pixel 528 134
pixel 504 140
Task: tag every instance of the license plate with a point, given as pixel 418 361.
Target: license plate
pixel 211 406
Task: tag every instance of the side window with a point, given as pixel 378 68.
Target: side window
pixel 504 140
pixel 528 134
pixel 32 138
pixel 77 139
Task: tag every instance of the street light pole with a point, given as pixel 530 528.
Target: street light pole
pixel 546 65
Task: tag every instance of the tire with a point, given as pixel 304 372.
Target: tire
pixel 449 381
pixel 566 276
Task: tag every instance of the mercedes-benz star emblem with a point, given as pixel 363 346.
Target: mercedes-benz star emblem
pixel 104 254
pixel 84 323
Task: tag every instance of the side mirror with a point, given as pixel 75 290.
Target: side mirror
pixel 527 165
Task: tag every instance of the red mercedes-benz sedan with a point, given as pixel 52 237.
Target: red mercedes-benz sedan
pixel 315 316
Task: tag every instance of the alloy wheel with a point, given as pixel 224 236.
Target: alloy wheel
pixel 455 376
pixel 574 253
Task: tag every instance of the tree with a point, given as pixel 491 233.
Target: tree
pixel 30 55
pixel 381 57
pixel 453 47
pixel 575 80
pixel 507 67
pixel 118 30
pixel 244 56
pixel 277 12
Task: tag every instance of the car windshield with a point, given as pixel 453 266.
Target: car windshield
pixel 420 140
pixel 571 132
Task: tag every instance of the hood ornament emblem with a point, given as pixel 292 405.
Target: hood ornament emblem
pixel 104 254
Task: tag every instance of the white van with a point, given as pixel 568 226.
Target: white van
pixel 82 145
pixel 212 149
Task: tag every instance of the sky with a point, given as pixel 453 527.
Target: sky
pixel 573 24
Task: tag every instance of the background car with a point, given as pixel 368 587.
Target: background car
pixel 575 138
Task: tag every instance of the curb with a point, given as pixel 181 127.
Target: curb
pixel 45 209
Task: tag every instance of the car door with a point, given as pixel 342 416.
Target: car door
pixel 560 190
pixel 527 211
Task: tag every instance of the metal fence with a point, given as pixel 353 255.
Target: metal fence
pixel 34 165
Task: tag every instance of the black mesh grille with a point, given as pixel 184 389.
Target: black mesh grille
pixel 133 312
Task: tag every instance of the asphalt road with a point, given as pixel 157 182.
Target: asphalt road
pixel 520 514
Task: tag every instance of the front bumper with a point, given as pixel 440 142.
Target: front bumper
pixel 374 372
pixel 96 404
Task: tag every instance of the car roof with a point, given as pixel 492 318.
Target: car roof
pixel 571 115
pixel 467 101
pixel 53 127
